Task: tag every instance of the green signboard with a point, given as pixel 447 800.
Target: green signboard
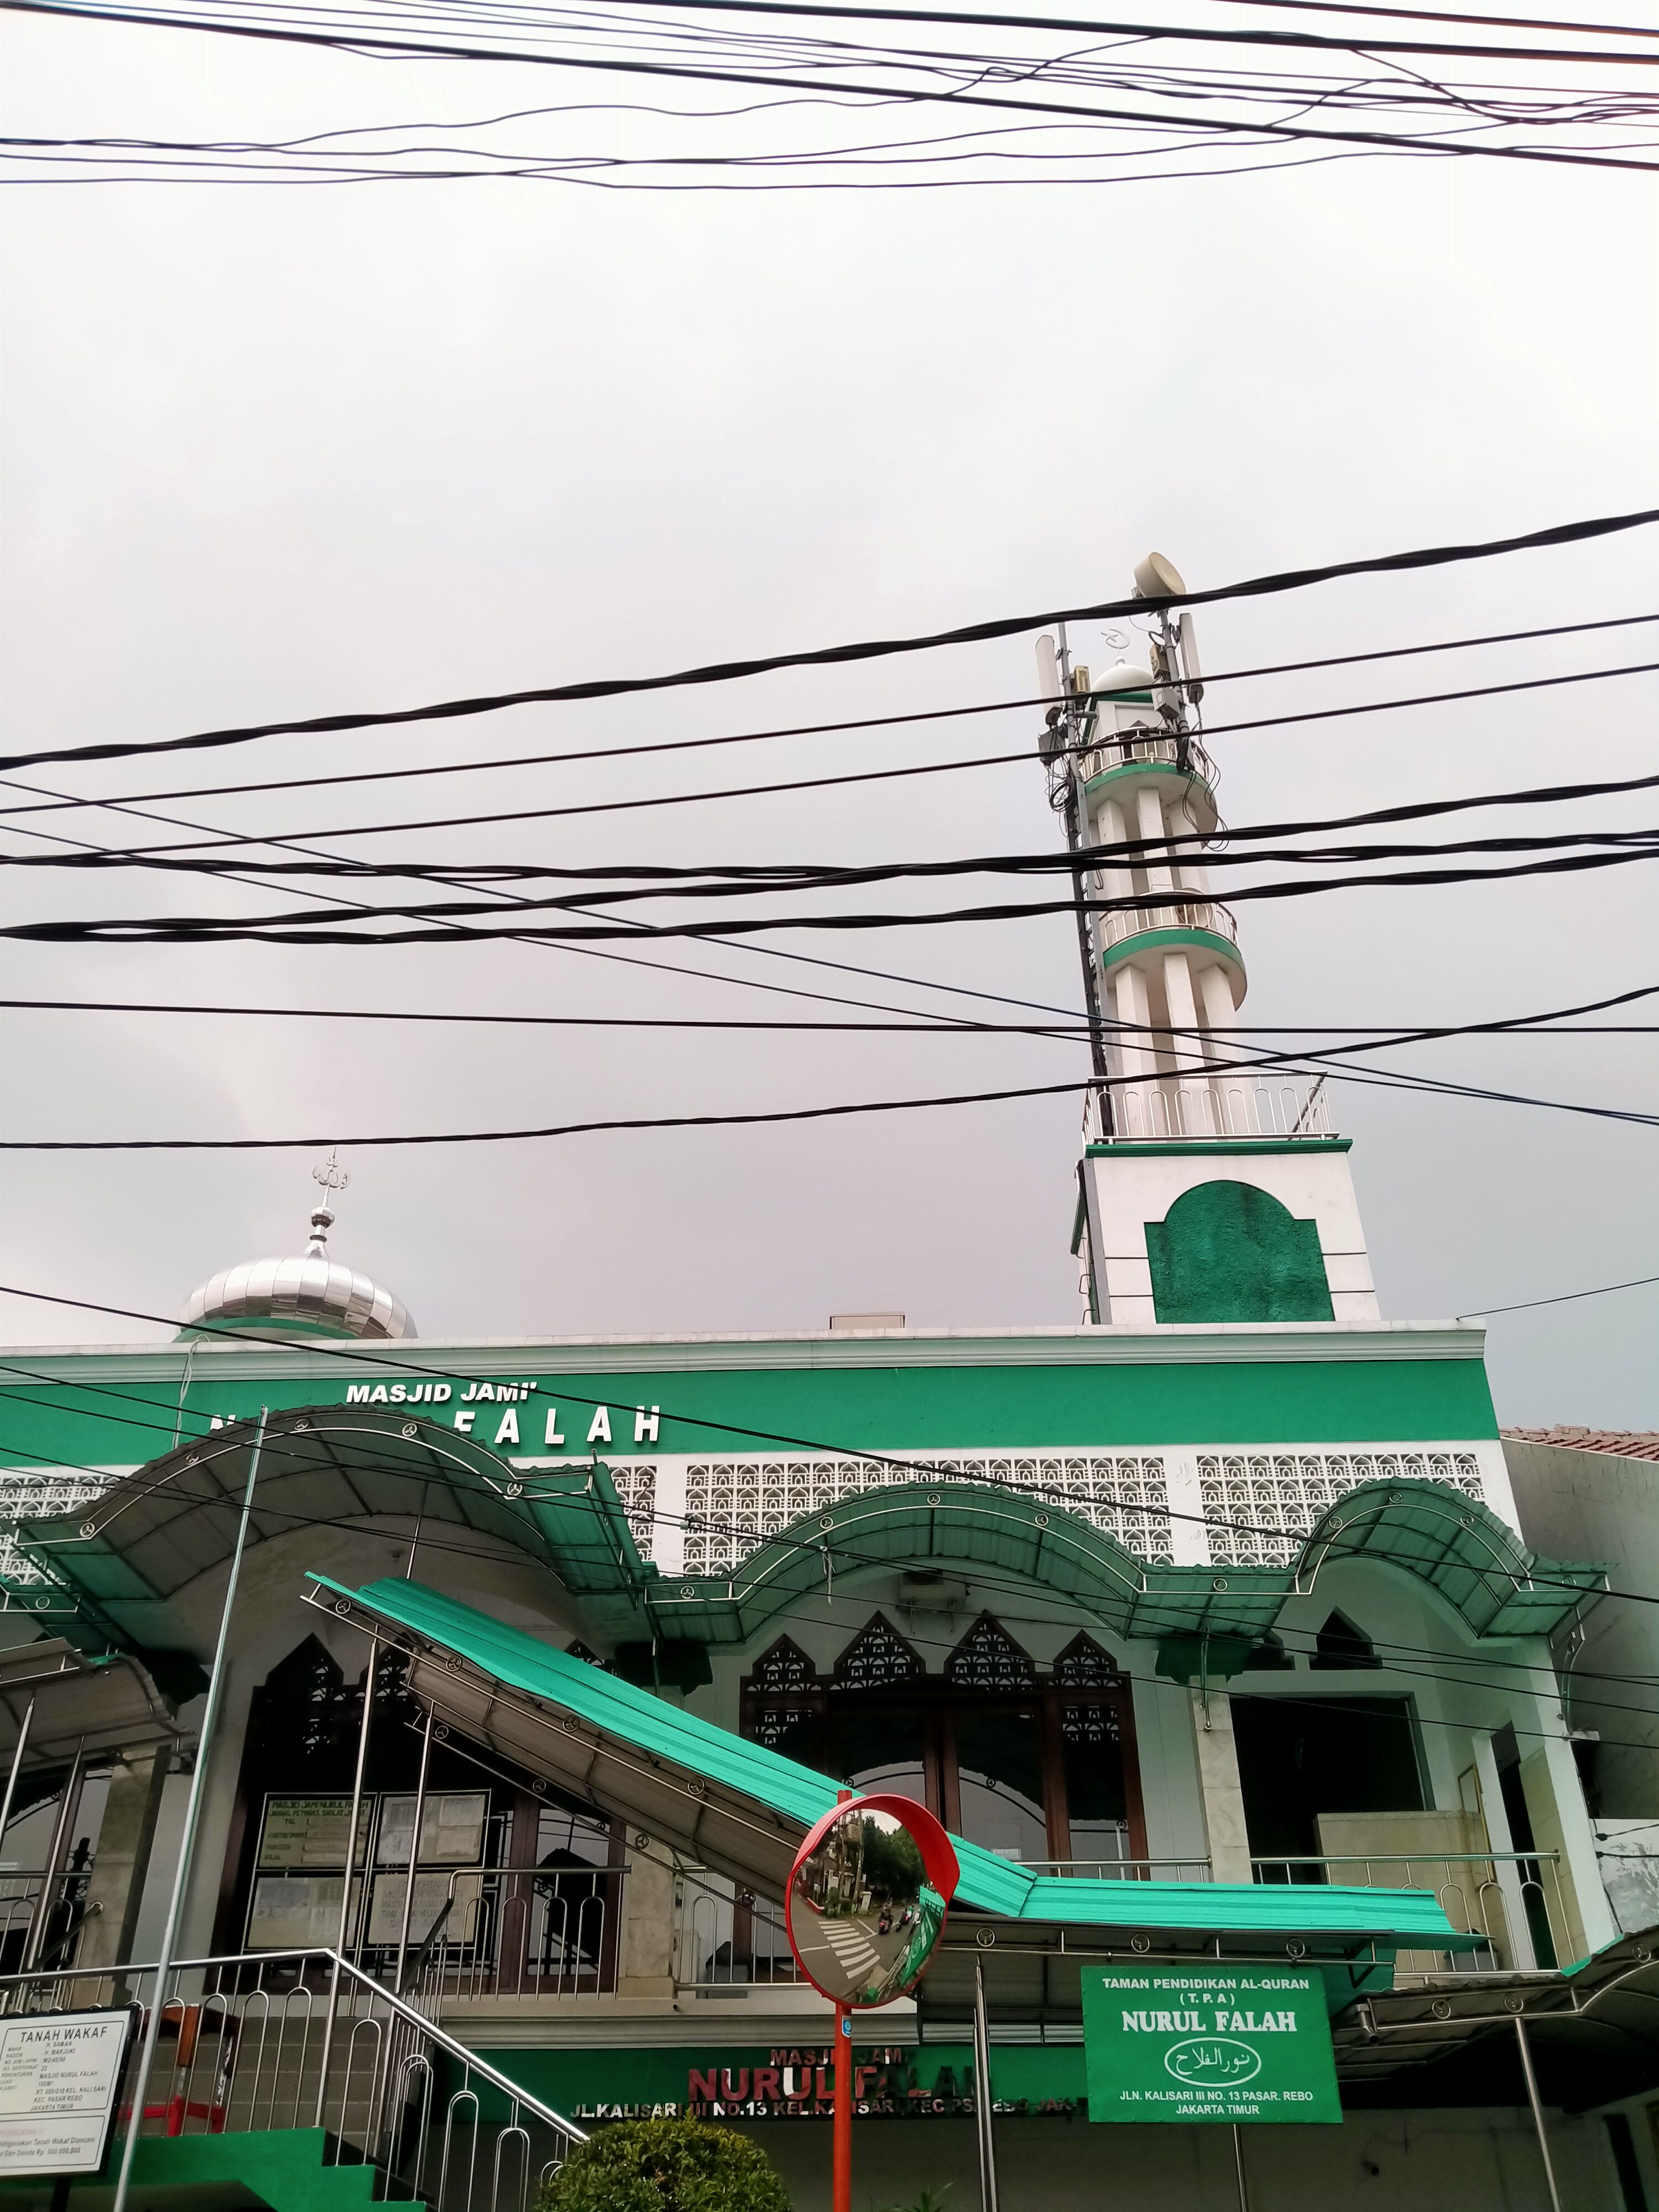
pixel 1208 2043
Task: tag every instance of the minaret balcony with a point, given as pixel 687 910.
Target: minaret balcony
pixel 1209 1108
pixel 1108 756
pixel 1126 932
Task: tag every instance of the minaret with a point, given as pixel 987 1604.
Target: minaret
pixel 1206 1193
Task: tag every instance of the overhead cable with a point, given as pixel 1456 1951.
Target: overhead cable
pixel 1559 534
pixel 221 841
pixel 814 729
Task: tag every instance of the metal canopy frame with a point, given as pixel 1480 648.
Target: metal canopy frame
pixel 123 1556
pixel 1454 1544
pixel 128 1551
pixel 742 1810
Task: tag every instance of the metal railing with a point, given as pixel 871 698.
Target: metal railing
pixel 1511 1900
pixel 1144 748
pixel 1123 1869
pixel 1200 1106
pixel 306 2039
pixel 502 1932
pixel 1119 924
pixel 43 1916
pixel 726 1939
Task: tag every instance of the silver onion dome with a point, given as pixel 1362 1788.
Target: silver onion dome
pixel 311 1293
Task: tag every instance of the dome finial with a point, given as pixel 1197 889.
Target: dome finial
pixel 333 1176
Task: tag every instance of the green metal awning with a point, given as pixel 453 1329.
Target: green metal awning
pixel 1453 1542
pixel 742 1810
pixel 126 1554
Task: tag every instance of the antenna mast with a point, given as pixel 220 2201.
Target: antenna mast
pixel 1061 746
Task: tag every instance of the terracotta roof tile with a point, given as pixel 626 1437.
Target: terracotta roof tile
pixel 1627 1443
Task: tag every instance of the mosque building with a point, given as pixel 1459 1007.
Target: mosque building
pixel 1206 1623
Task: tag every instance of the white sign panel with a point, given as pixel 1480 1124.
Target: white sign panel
pixel 59 2077
pixel 311 1832
pixel 298 1912
pixel 432 1894
pixel 452 1828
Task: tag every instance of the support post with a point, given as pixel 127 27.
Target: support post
pixel 414 1852
pixel 842 2190
pixel 1238 2168
pixel 16 1769
pixel 187 1841
pixel 988 2148
pixel 1537 2112
pixel 344 1928
pixel 68 1805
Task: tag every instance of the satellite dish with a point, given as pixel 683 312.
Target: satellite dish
pixel 1159 579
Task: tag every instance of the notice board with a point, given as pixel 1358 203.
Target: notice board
pixel 1208 2043
pixel 59 2077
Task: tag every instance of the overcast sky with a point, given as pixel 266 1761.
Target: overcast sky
pixel 281 451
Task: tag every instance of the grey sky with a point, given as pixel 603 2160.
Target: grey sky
pixel 279 450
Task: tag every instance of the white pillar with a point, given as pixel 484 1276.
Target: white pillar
pixel 1134 1008
pixel 1194 1104
pixel 1220 1790
pixel 1232 1107
pixel 1111 829
pixel 1149 820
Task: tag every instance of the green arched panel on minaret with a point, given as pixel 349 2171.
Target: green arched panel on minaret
pixel 1227 1251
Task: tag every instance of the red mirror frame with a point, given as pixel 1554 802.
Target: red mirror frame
pixel 938 1860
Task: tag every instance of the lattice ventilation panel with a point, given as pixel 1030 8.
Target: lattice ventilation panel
pixel 636 1493
pixel 1249 1497
pixel 34 1497
pixel 733 1505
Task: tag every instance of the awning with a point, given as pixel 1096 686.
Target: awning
pixel 125 1555
pixel 138 1543
pixel 1477 1563
pixel 92 1705
pixel 742 1810
pixel 1593 2032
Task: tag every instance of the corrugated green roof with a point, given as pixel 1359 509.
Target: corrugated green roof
pixel 669 1738
pixel 1453 1542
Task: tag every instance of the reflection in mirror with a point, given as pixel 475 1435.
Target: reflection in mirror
pixel 863 1915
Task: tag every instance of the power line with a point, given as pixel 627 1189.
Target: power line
pixel 851 1561
pixel 360 44
pixel 629 1124
pixel 825 656
pixel 1381 1034
pixel 824 729
pixel 925 1470
pixel 896 775
pixel 1562 1298
pixel 306 928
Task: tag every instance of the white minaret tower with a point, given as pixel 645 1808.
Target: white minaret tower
pixel 1207 1193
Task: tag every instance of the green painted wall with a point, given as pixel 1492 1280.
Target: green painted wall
pixel 989 1407
pixel 282 2168
pixel 1229 1251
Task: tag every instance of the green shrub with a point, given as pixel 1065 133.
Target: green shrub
pixel 665 2165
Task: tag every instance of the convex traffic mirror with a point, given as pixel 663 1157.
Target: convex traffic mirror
pixel 867 1897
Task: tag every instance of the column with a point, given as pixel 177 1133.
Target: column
pixel 122 1859
pixel 1139 1061
pixel 1220 1791
pixel 1196 1112
pixel 1149 823
pixel 1215 992
pixel 1114 883
pixel 648 1934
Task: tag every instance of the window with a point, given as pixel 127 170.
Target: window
pixel 1032 1764
pixel 1338 1644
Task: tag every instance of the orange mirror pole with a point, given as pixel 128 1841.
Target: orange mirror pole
pixel 841 2197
